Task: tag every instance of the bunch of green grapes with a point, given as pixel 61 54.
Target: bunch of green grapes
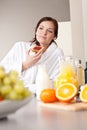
pixel 11 87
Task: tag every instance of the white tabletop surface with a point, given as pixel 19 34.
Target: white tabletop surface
pixel 34 117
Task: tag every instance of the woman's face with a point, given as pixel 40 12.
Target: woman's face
pixel 45 33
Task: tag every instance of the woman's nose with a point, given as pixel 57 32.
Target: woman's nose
pixel 45 32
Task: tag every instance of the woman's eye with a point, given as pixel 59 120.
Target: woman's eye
pixel 50 31
pixel 40 28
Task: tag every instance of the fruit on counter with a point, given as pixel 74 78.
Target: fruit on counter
pixel 11 87
pixel 13 76
pixel 83 93
pixel 48 95
pixel 66 92
pixel 62 80
pixel 67 75
pixel 2 72
pixel 1 98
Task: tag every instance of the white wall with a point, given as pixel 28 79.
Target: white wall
pixel 78 13
pixel 18 19
pixel 64 39
pixel 84 12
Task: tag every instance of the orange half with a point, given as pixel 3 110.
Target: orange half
pixel 66 92
pixel 83 94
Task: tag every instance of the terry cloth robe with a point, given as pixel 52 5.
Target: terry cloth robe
pixel 13 61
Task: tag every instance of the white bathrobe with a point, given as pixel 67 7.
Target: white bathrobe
pixel 13 61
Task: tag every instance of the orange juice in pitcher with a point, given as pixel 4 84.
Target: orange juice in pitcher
pixel 67 74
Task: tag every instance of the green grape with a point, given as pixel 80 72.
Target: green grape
pixel 11 87
pixel 0 82
pixel 2 72
pixel 20 82
pixel 4 90
pixel 19 88
pixel 19 97
pixel 14 72
pixel 13 95
pixel 6 80
pixel 13 76
pixel 26 93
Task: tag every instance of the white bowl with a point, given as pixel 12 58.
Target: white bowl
pixel 8 107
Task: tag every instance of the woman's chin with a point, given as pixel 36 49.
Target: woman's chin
pixel 41 41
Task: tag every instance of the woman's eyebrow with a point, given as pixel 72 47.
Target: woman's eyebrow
pixel 48 28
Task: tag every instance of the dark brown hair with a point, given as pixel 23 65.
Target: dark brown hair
pixel 46 19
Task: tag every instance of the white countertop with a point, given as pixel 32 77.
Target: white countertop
pixel 34 117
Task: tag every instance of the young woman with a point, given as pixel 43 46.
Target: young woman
pixel 20 59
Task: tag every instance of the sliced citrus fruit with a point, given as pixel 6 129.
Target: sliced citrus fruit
pixel 66 92
pixel 61 80
pixel 48 95
pixel 67 75
pixel 83 93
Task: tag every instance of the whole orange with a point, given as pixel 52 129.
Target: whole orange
pixel 48 95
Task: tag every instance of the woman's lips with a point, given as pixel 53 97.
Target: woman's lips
pixel 43 37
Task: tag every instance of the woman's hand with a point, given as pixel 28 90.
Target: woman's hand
pixel 31 59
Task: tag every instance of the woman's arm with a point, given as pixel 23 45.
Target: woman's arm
pixel 31 59
pixel 13 60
